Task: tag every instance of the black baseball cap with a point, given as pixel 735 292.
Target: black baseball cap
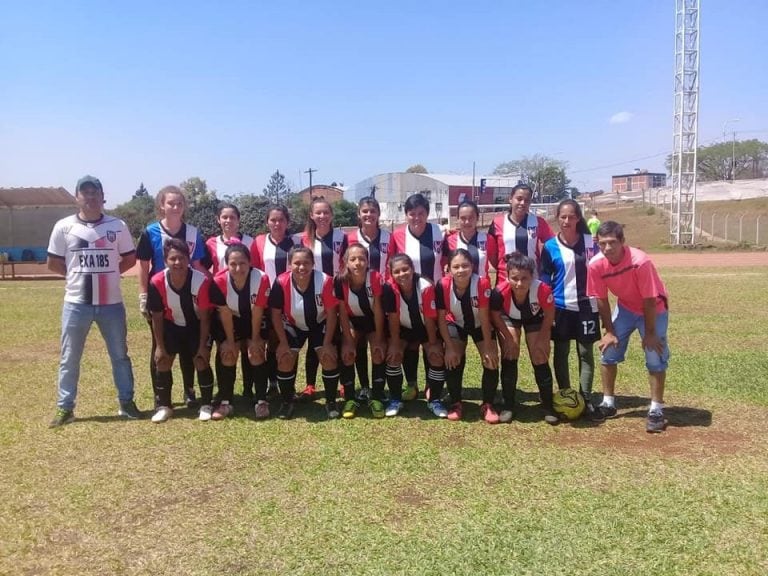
pixel 88 179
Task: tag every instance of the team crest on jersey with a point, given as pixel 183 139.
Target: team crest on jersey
pixel 475 303
pixel 369 291
pixel 481 244
pixel 437 247
pixel 191 246
pixel 487 292
pixel 319 300
pixel 111 236
pixel 532 232
pixel 535 308
pixel 337 247
pixel 383 247
pixel 254 297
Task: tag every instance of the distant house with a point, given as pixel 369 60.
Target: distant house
pixel 444 191
pixel 638 180
pixel 27 216
pixel 330 193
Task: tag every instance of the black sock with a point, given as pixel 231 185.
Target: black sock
pixel 187 367
pixel 205 379
pixel 509 383
pixel 489 384
pixel 378 371
pixel 331 383
pixel 162 385
pixel 453 380
pixel 361 363
pixel 435 381
pixel 411 366
pixel 543 375
pixel 311 364
pixel 259 376
pixel 225 377
pixel 395 382
pixel 247 369
pixel 347 375
pixel 287 383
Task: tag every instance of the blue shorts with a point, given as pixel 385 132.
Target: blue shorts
pixel 626 322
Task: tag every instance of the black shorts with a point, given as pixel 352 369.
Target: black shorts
pixel 181 340
pixel 363 324
pixel 529 325
pixel 457 332
pixel 242 329
pixel 582 326
pixel 297 338
pixel 414 335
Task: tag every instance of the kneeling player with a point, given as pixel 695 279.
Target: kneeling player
pixel 462 310
pixel 178 299
pixel 526 303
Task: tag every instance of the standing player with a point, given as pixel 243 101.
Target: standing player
pixel 518 230
pixel 564 261
pixel 229 220
pixel 91 250
pixel 304 310
pixel 358 289
pixel 462 311
pixel 423 243
pixel 412 319
pixel 179 300
pixel 480 245
pixel 243 290
pixel 216 246
pixel 593 224
pixel 520 302
pixel 376 240
pixel 170 203
pixel 270 254
pixel 328 245
pixel 642 305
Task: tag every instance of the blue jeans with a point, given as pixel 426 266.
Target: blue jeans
pixel 76 320
pixel 624 324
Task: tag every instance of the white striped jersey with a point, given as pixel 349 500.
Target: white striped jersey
pixel 481 248
pixel 378 248
pixel 411 311
pixel 564 268
pixel 359 303
pixel 271 257
pixel 425 251
pixel 182 307
pixel 531 310
pixel 91 252
pixel 328 250
pixel 217 247
pixel 304 310
pixel 463 311
pixel 523 238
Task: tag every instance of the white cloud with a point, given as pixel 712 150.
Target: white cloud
pixel 621 118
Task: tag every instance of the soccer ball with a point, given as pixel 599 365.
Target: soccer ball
pixel 568 403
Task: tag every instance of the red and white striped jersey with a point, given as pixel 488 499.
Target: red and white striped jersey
pixel 254 293
pixel 180 307
pixel 359 303
pixel 378 248
pixel 414 310
pixel 481 248
pixel 539 298
pixel 328 250
pixel 425 251
pixel 271 257
pixel 91 252
pixel 217 246
pixel 304 310
pixel 463 311
pixel 510 237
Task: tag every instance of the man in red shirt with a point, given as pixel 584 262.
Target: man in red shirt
pixel 642 305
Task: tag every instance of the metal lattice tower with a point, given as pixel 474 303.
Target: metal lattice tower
pixel 686 127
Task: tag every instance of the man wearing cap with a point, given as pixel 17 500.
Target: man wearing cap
pixel 92 249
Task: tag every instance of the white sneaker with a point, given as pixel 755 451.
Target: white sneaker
pixel 163 413
pixel 393 408
pixel 205 413
pixel 506 416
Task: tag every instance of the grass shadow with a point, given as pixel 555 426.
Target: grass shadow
pixel 678 416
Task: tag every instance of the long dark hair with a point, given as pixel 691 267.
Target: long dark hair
pixel 310 229
pixel 581 225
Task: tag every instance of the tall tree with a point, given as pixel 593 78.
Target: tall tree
pixel 277 190
pixel 344 213
pixel 417 169
pixel 141 192
pixel 728 160
pixel 545 175
pixel 137 212
pixel 253 213
pixel 202 205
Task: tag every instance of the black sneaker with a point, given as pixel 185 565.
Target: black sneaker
pixel 286 411
pixel 248 394
pixel 273 392
pixel 551 418
pixel 129 411
pixel 607 411
pixel 62 417
pixel 332 409
pixel 656 422
pixel 190 399
pixel 593 413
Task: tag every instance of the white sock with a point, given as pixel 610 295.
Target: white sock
pixel 608 401
pixel 656 406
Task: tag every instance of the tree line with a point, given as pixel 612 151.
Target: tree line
pixel 739 160
pixel 203 205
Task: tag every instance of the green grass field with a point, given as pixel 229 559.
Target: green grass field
pixel 410 495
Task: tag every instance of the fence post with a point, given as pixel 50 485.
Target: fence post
pixel 726 226
pixel 712 228
pixel 757 231
pixel 741 221
pixel 701 231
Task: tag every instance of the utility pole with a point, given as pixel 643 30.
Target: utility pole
pixel 733 145
pixel 310 172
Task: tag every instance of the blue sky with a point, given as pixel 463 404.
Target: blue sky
pixel 161 91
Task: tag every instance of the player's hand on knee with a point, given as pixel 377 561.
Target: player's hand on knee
pixel 608 340
pixel 654 343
